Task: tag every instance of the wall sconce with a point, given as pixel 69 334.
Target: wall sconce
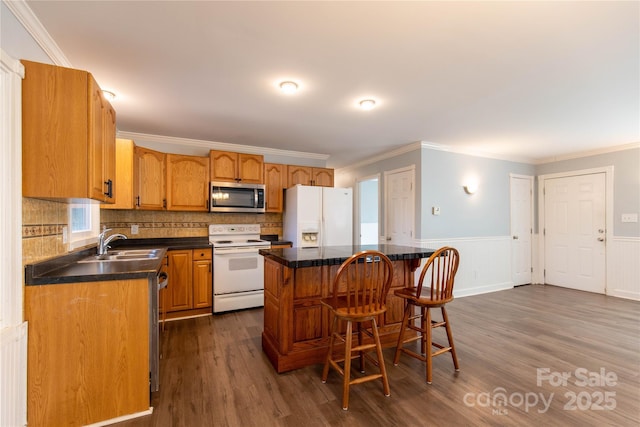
pixel 471 187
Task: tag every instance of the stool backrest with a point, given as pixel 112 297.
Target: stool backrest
pixel 363 282
pixel 439 274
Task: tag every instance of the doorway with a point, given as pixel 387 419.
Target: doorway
pixel 575 222
pixel 369 206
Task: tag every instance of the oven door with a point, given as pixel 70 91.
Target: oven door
pixel 237 270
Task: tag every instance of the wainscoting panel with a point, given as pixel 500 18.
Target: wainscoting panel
pixel 485 263
pixel 13 375
pixel 623 277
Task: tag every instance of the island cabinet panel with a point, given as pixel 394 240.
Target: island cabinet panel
pixel 297 325
pixel 307 322
pixel 88 351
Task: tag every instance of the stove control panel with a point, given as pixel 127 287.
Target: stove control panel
pixel 216 229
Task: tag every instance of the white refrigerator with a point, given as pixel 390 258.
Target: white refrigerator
pixel 318 216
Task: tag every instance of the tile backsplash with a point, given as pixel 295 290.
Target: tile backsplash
pixel 43 221
pixel 182 224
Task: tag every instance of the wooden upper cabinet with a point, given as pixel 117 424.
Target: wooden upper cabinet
pixel 298 175
pixel 149 179
pixel 306 175
pixel 187 183
pixel 275 179
pixel 68 135
pixel 236 167
pixel 123 190
pixel 322 177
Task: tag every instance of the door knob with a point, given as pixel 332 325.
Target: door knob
pixel 600 239
pixel 600 230
pixel 388 239
pixel 515 237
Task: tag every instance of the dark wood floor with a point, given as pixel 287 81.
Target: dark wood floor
pixel 214 373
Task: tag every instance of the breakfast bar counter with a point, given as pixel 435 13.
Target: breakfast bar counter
pixel 296 325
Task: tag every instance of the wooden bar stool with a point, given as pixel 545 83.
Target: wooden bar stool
pixel 439 271
pixel 360 291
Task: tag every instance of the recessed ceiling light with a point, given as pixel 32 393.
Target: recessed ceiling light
pixel 109 95
pixel 289 87
pixel 367 104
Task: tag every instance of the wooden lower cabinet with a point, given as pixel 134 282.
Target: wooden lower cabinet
pixel 202 280
pixel 190 280
pixel 88 351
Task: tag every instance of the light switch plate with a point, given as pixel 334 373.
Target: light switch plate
pixel 435 210
pixel 629 217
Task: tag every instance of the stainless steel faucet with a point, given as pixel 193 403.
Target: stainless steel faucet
pixel 103 243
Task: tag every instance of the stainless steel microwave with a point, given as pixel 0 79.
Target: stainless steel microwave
pixel 236 197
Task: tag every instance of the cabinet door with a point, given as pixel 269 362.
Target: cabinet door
pixel 322 177
pixel 250 168
pixel 123 187
pixel 54 132
pixel 187 183
pixel 223 166
pixel 275 180
pixel 298 175
pixel 97 112
pixel 202 283
pixel 149 175
pixel 180 287
pixel 109 138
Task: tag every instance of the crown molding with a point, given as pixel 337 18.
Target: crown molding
pixel 10 64
pixel 588 153
pixel 386 155
pixel 474 153
pixel 224 146
pixel 34 27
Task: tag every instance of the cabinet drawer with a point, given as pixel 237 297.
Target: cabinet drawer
pixel 201 254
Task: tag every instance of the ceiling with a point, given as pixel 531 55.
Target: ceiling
pixel 527 81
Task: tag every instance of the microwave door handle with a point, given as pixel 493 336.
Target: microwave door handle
pixel 255 198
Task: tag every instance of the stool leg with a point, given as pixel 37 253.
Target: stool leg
pixel 383 369
pixel 450 338
pixel 347 367
pixel 403 328
pixel 428 354
pixel 359 326
pixel 325 370
pixel 423 326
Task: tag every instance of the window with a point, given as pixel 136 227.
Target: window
pixel 84 224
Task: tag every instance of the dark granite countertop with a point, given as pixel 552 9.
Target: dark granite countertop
pixel 66 269
pixel 334 255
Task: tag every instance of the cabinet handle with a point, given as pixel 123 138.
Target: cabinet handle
pixel 209 267
pixel 137 200
pixel 164 203
pixel 109 192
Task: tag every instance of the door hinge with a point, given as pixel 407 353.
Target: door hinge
pixel 532 269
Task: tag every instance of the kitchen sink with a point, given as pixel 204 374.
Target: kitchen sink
pixel 125 255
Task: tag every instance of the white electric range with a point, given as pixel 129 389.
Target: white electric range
pixel 238 268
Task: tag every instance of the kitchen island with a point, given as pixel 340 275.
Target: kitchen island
pixel 296 325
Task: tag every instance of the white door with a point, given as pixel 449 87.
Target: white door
pixel 521 229
pixel 399 206
pixel 575 232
